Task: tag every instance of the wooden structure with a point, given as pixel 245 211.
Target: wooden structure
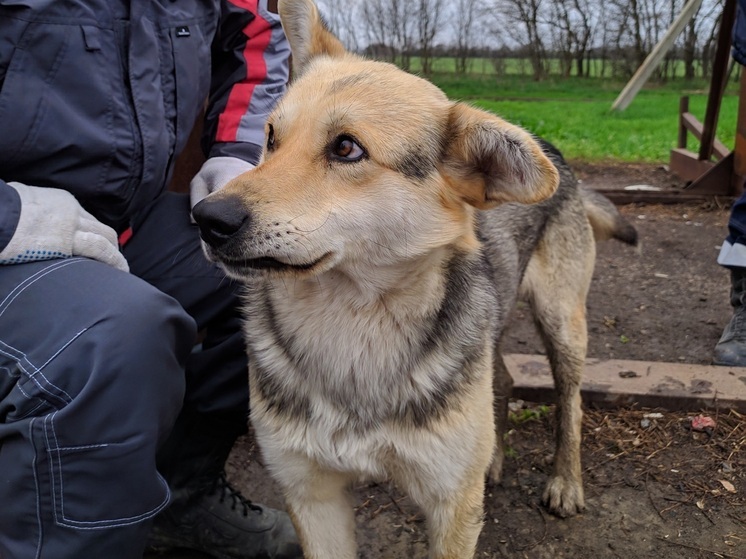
pixel 714 170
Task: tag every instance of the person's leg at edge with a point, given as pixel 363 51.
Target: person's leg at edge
pixel 731 349
pixel 207 513
pixel 91 382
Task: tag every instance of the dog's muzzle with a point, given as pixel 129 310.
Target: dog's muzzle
pixel 221 221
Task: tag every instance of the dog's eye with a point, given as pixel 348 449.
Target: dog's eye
pixel 270 137
pixel 345 148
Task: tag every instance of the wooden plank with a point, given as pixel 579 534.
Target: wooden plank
pixel 690 123
pixel 623 197
pixel 717 180
pixel 616 382
pixel 655 57
pixel 686 165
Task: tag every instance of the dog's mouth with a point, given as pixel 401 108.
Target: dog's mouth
pixel 269 264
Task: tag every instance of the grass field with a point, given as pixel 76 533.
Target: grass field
pixel 575 113
pixel 521 67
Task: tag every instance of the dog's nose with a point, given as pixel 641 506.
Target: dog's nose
pixel 219 219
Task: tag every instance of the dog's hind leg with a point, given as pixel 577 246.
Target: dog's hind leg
pixel 557 281
pixel 502 388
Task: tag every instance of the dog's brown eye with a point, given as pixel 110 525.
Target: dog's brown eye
pixel 270 137
pixel 346 149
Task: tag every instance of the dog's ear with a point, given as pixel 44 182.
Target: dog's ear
pixel 490 161
pixel 307 33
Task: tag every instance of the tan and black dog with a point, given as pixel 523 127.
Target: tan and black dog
pixel 377 290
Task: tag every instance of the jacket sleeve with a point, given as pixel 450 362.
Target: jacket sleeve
pixel 250 69
pixel 10 213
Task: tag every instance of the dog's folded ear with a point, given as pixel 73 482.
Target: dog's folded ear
pixel 307 33
pixel 490 161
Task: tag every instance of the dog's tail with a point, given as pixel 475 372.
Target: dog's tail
pixel 606 221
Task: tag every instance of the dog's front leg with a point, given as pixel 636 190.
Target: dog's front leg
pixel 319 505
pixel 455 520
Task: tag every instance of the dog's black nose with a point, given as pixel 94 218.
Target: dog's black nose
pixel 219 219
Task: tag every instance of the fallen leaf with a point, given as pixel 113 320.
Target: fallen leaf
pixel 727 485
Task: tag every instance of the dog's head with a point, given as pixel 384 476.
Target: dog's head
pixel 365 166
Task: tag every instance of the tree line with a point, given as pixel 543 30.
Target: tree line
pixel 569 36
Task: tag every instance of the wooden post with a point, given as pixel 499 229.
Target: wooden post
pixel 683 109
pixel 719 79
pixel 654 58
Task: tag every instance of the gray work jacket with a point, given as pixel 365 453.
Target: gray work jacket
pixel 98 97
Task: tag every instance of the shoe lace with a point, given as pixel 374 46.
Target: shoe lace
pixel 227 491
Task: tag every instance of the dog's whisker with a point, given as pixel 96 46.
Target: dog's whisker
pixel 328 216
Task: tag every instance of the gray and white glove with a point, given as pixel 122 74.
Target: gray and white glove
pixel 215 173
pixel 54 225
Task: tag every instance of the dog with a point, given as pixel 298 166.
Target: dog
pixel 383 241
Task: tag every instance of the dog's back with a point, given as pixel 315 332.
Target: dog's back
pixel 572 217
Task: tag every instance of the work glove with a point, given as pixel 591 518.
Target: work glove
pixel 54 225
pixel 215 173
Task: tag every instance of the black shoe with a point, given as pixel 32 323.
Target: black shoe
pixel 731 349
pixel 222 523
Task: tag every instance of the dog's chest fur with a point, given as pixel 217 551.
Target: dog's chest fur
pixel 343 367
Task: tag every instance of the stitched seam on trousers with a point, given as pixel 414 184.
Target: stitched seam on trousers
pixel 37 370
pixel 90 524
pixel 21 287
pixel 81 447
pixel 32 376
pixel 30 412
pixel 38 489
pixel 28 396
pixel 63 348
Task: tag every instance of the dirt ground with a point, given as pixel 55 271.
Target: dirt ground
pixel 654 487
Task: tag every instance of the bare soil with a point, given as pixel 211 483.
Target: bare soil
pixel 655 488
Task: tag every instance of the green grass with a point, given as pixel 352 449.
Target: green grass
pixel 521 67
pixel 575 113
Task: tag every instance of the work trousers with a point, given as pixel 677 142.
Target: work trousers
pixel 97 366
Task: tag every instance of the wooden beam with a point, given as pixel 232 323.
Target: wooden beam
pixel 717 181
pixel 719 79
pixel 686 165
pixel 717 148
pixel 656 56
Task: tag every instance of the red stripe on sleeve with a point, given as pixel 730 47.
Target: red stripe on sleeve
pixel 259 35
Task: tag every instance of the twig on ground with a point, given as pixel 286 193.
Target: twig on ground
pixel 650 498
pixel 700 549
pixel 543 536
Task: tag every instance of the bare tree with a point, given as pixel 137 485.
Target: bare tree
pixel 707 33
pixel 521 21
pixel 428 24
pixel 343 23
pixel 390 29
pixel 572 25
pixel 463 24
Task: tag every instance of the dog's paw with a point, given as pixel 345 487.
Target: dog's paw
pixel 564 496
